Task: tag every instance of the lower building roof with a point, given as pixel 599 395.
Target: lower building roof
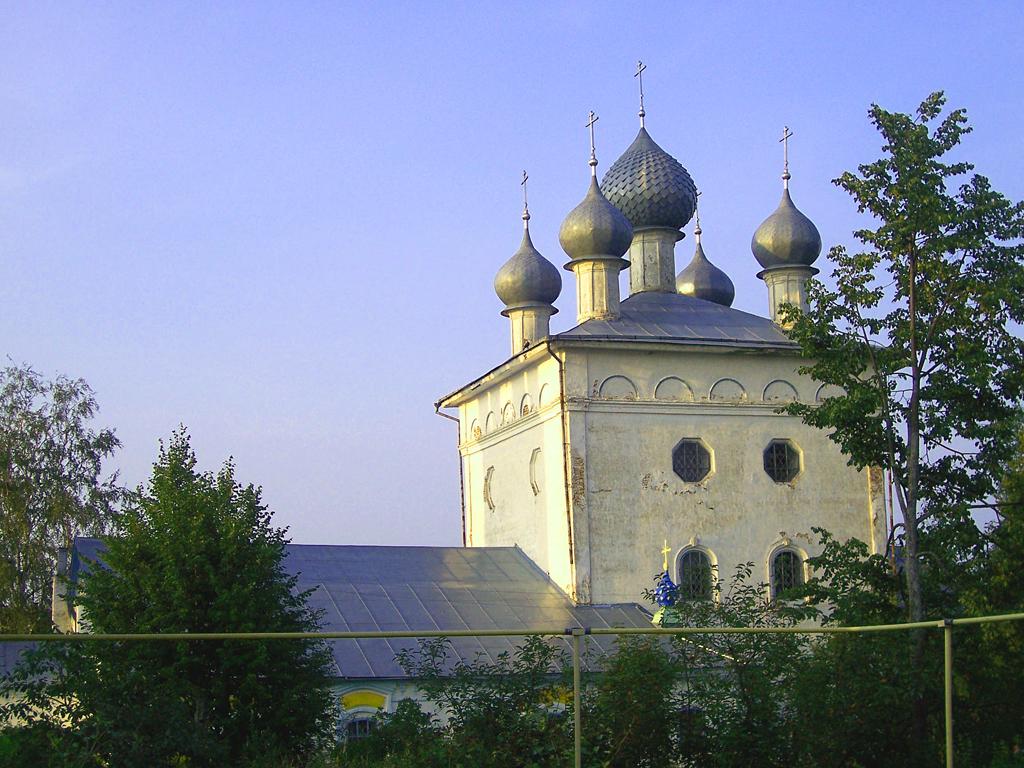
pixel 381 588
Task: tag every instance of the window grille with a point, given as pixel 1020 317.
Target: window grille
pixel 787 572
pixel 359 728
pixel 691 460
pixel 694 573
pixel 781 461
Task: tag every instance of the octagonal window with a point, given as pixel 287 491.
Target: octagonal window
pixel 782 461
pixel 691 460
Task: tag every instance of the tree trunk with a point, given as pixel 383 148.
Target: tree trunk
pixel 911 559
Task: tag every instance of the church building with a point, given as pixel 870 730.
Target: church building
pixel 650 427
pixel 656 417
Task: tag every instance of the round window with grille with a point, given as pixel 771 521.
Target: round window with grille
pixel 691 460
pixel 782 461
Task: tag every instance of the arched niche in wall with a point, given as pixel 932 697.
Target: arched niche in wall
pixel 673 389
pixel 547 395
pixel 618 388
pixel 491 423
pixel 526 405
pixel 536 471
pixel 488 490
pixel 475 433
pixel 826 391
pixel 779 390
pixel 508 414
pixel 727 390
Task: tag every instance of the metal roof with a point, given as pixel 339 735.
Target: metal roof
pixel 380 588
pixel 10 655
pixel 675 318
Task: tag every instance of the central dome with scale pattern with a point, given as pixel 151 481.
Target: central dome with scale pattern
pixel 650 186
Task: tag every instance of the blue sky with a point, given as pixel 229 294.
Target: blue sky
pixel 278 223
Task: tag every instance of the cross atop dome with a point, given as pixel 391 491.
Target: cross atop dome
pixel 640 67
pixel 593 152
pixel 526 203
pixel 786 136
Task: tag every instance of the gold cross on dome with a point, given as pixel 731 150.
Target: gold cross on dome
pixel 639 74
pixel 664 556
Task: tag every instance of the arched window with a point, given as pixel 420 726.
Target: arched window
pixel 787 572
pixel 694 572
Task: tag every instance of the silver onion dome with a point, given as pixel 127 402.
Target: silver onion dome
pixel 527 279
pixel 650 186
pixel 595 227
pixel 703 280
pixel 786 238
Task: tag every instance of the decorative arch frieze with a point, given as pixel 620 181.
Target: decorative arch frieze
pixel 618 388
pixel 673 389
pixel 779 390
pixel 727 390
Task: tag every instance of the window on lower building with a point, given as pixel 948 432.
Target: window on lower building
pixel 691 460
pixel 359 728
pixel 782 461
pixel 787 572
pixel 694 572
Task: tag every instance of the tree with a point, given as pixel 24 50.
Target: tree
pixel 918 331
pixel 196 552
pixel 51 487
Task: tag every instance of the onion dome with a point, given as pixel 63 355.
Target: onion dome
pixel 665 591
pixel 527 278
pixel 787 238
pixel 595 227
pixel 703 280
pixel 650 186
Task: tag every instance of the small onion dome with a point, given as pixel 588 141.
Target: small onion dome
pixel 665 591
pixel 527 278
pixel 650 186
pixel 595 227
pixel 703 280
pixel 786 238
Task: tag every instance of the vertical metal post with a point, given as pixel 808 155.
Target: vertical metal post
pixel 577 734
pixel 947 637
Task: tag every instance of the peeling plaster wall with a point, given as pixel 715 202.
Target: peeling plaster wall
pixel 633 501
pixel 627 407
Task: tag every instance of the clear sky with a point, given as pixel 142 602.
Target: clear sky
pixel 278 223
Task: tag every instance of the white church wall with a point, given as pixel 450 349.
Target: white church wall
pixel 632 500
pixel 513 475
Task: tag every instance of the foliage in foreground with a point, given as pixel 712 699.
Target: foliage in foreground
pixel 736 700
pixel 196 553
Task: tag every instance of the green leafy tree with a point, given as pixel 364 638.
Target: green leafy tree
pixel 52 487
pixel 196 552
pixel 919 332
pixel 738 688
pixel 497 713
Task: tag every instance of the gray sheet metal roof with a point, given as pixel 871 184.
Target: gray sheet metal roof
pixel 429 588
pixel 10 655
pixel 438 588
pixel 672 317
